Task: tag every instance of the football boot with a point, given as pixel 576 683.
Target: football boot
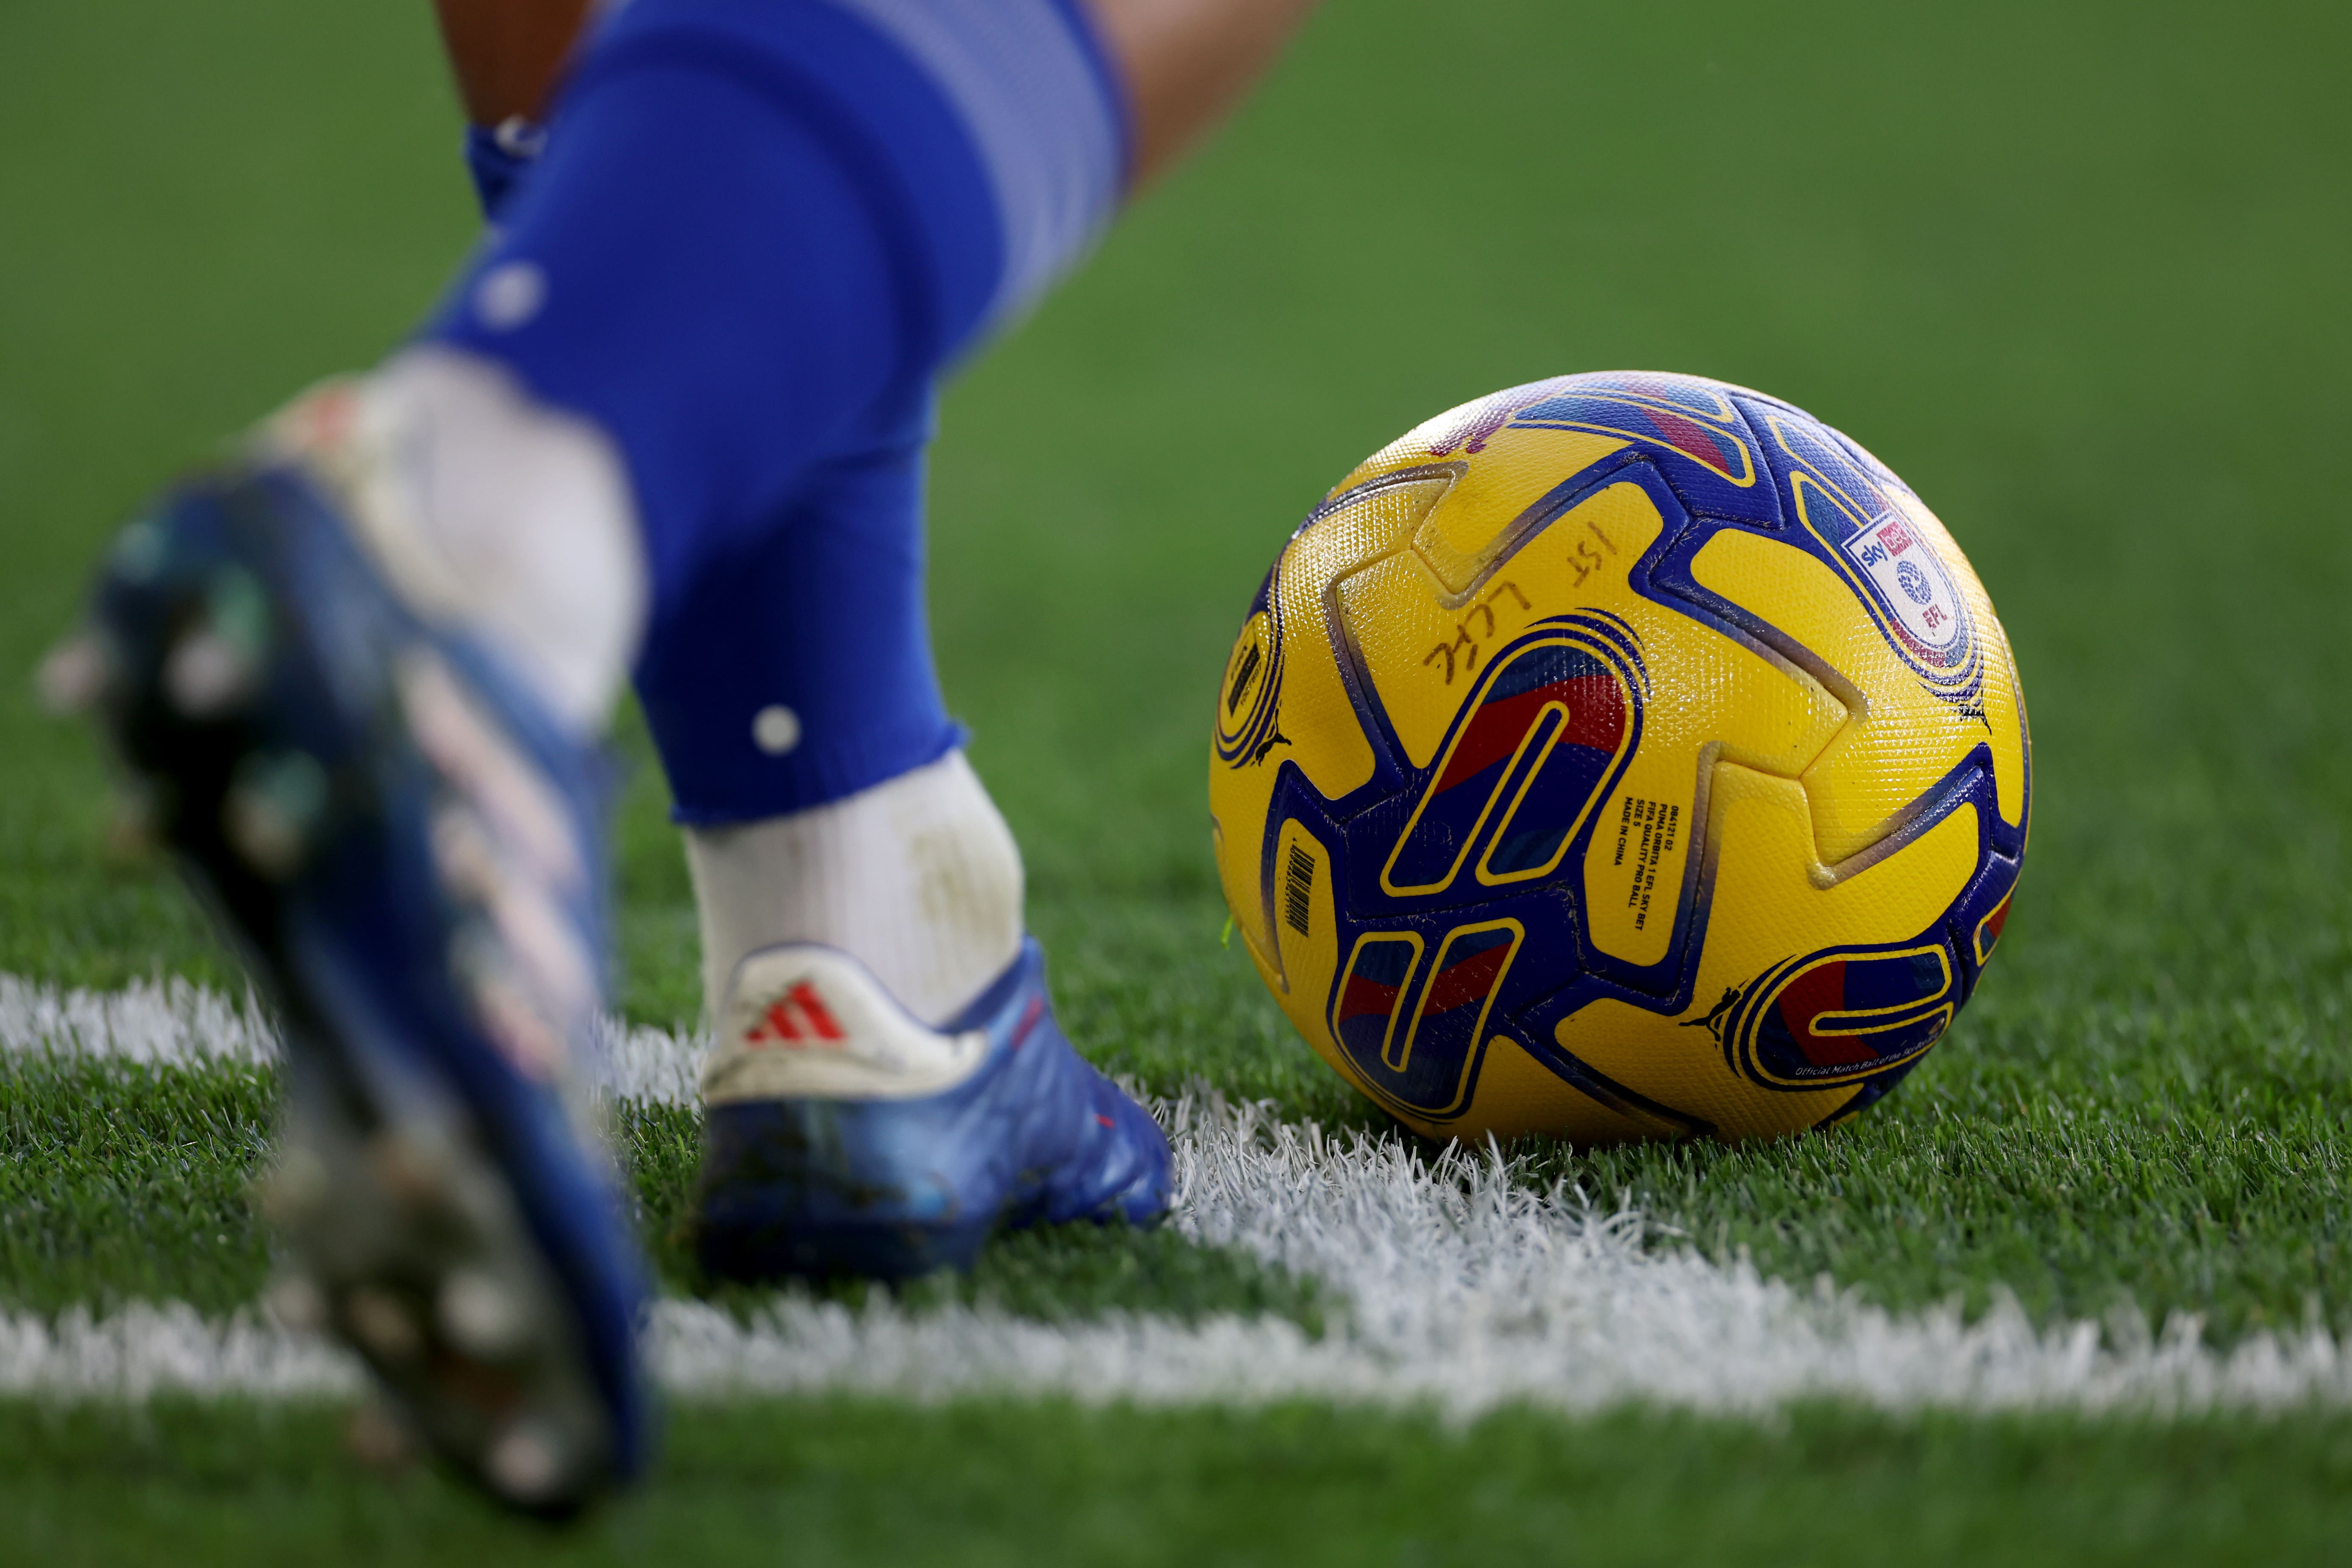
pixel 846 1137
pixel 407 853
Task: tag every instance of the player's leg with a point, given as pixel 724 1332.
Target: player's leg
pixel 804 805
pixel 891 1083
pixel 357 669
pixel 929 1095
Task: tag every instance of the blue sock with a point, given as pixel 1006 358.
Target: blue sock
pixel 757 235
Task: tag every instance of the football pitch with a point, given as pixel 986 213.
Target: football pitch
pixel 2081 1292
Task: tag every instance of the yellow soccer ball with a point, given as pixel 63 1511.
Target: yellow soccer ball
pixel 1621 756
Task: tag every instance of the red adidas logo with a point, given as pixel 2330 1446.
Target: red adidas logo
pixel 798 1015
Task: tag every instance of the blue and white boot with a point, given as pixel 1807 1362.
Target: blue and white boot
pixel 407 851
pixel 846 1137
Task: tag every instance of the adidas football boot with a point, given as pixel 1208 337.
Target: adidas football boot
pixel 845 1137
pixel 407 852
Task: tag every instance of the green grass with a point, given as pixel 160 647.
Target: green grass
pixel 121 1183
pixel 2075 271
pixel 129 1184
pixel 842 1481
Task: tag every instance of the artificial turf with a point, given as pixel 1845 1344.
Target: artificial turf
pixel 2075 271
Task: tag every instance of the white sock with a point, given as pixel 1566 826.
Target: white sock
pixel 487 512
pixel 918 879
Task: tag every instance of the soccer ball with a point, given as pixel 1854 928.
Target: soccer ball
pixel 1621 756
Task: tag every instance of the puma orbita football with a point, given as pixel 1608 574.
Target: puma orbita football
pixel 1621 756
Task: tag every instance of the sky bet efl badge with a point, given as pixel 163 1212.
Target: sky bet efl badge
pixel 1911 581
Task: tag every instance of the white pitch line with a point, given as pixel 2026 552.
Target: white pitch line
pixel 171 1023
pixel 1457 1286
pixel 168 1022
